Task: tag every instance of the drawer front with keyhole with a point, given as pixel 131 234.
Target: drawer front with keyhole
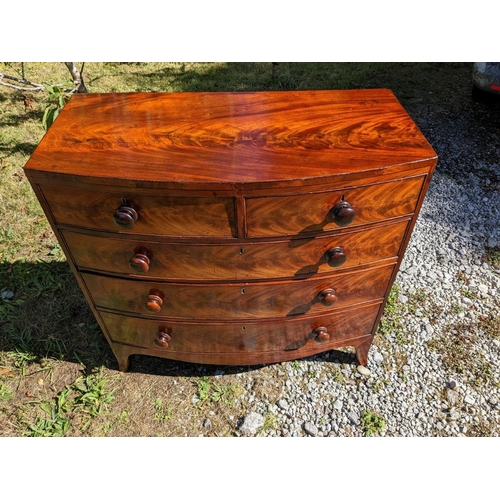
pixel 246 261
pixel 284 299
pixel 321 212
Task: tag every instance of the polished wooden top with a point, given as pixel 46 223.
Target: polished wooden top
pixel 229 138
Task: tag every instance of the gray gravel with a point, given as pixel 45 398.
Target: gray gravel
pixel 439 373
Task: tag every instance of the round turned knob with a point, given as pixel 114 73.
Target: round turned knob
pixel 328 297
pixel 139 263
pixel 154 301
pixel 125 217
pixel 343 213
pixel 163 337
pixel 335 256
pixel 321 334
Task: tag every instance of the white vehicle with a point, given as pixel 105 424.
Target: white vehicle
pixel 485 78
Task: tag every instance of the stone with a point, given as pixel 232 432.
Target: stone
pixel 378 357
pixel 283 404
pixel 7 295
pixel 469 400
pixel 454 414
pixel 452 384
pixel 452 397
pixel 252 423
pixel 364 370
pixel 353 417
pixel 338 405
pixel 207 424
pixel 310 429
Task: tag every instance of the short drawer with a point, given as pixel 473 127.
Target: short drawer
pixel 247 261
pixel 239 301
pixel 310 213
pixel 150 214
pixel 240 337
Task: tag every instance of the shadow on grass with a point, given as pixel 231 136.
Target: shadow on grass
pixel 48 318
pixel 254 76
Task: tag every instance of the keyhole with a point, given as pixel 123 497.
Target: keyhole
pixel 242 251
pixel 242 290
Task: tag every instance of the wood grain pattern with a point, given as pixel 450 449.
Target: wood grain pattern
pixel 234 301
pixel 257 137
pixel 160 215
pixel 201 226
pixel 303 214
pixel 241 262
pixel 240 339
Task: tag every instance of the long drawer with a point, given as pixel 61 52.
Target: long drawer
pixel 156 215
pixel 308 213
pixel 312 296
pixel 241 337
pixel 297 258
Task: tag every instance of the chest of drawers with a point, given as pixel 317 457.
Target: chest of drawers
pixel 234 228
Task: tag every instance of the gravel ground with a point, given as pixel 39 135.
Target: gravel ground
pixel 434 368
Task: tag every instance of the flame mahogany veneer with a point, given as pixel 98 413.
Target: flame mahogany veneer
pixel 234 228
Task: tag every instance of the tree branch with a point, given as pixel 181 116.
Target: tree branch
pixel 30 86
pixel 77 77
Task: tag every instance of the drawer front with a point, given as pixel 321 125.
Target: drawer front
pixel 239 301
pixel 247 261
pixel 302 214
pixel 239 337
pixel 158 215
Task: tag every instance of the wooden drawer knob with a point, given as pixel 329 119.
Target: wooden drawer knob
pixel 328 297
pixel 163 337
pixel 154 301
pixel 139 263
pixel 321 334
pixel 336 256
pixel 125 217
pixel 342 213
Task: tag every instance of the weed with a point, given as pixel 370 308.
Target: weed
pixel 57 423
pixel 493 256
pixel 391 322
pixel 212 392
pixel 295 364
pixel 456 309
pixel 5 394
pixel 380 384
pixel 373 423
pixel 456 346
pixel 86 398
pixel 161 413
pixel 468 293
pixel 490 325
pixel 270 423
pixel 91 395
pixel 338 376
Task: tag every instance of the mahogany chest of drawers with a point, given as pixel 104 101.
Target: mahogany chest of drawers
pixel 234 228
